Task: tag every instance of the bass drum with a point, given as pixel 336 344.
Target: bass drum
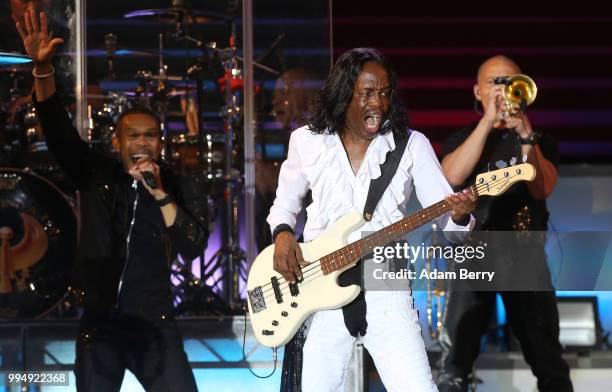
pixel 38 238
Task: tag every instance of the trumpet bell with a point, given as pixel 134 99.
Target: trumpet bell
pixel 520 91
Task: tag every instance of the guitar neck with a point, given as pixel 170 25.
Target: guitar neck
pixel 358 249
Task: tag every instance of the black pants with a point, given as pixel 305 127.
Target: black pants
pixel 534 318
pixel 152 352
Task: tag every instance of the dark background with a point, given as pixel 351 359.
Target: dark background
pixel 437 47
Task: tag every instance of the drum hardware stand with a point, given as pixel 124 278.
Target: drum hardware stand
pixel 161 101
pixel 196 297
pixel 157 100
pixel 213 46
pixel 231 257
pixel 144 90
pixel 110 46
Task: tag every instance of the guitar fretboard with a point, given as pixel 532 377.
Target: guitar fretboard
pixel 358 249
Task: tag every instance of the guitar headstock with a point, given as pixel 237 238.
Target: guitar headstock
pixel 496 182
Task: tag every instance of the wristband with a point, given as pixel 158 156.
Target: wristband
pixel 532 139
pixel 279 229
pixel 163 201
pixel 39 76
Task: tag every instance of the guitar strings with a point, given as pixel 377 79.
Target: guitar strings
pixel 305 274
pixel 479 187
pixel 312 267
pixel 313 264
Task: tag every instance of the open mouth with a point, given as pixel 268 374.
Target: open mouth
pixel 372 122
pixel 137 157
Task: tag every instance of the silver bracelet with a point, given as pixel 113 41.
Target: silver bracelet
pixel 45 75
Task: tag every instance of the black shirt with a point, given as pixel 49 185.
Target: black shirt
pixel 148 261
pixel 502 148
pixel 107 200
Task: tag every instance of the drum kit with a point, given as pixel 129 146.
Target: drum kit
pixel 39 211
pixel 38 208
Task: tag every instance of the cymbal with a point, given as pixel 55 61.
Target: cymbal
pixel 175 91
pixel 13 59
pixel 178 14
pixel 116 53
pixel 148 75
pixel 123 52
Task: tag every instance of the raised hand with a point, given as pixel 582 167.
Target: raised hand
pixel 38 43
pixel 494 107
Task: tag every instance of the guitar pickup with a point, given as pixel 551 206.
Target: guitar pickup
pixel 293 289
pixel 277 292
pixel 258 303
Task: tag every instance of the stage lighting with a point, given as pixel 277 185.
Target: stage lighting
pixel 578 323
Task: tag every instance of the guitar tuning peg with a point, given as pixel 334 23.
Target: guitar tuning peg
pixel 524 158
pixel 513 161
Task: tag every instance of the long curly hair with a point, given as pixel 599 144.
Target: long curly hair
pixel 329 113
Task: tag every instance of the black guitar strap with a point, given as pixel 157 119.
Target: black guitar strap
pixel 387 169
pixel 355 312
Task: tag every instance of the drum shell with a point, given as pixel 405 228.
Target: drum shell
pixel 40 286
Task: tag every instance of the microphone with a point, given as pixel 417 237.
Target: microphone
pixel 149 179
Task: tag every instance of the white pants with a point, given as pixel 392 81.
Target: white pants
pixel 393 339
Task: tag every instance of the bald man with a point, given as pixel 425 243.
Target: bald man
pixel 497 140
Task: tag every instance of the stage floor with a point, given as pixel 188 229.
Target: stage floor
pixel 214 348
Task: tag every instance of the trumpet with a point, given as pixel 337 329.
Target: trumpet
pixel 519 92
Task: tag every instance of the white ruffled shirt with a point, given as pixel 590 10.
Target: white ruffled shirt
pixel 319 162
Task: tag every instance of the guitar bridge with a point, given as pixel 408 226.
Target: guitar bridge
pixel 256 298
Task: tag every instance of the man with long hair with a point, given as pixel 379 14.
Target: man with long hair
pixel 358 119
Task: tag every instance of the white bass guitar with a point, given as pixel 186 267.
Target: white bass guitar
pixel 278 308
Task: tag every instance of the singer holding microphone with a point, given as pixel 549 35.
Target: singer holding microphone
pixel 135 218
